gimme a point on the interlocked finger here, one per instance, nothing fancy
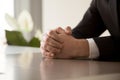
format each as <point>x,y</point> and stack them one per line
<point>50,41</point>
<point>46,54</point>
<point>53,34</point>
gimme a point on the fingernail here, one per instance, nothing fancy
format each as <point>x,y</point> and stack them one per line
<point>51,55</point>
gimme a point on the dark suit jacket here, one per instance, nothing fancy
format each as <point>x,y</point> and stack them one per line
<point>102,15</point>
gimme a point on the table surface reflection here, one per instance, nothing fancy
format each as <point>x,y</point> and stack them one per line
<point>30,66</point>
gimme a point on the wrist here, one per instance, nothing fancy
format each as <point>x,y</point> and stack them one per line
<point>82,48</point>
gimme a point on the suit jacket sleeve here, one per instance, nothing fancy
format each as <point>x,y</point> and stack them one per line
<point>92,26</point>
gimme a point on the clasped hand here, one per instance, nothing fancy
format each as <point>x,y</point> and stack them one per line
<point>60,43</point>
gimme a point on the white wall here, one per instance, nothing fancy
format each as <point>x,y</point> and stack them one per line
<point>62,13</point>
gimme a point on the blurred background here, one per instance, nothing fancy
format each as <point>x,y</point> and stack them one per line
<point>46,14</point>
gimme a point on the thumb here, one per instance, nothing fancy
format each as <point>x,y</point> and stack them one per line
<point>68,30</point>
<point>60,30</point>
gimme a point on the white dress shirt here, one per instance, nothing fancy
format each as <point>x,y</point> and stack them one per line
<point>94,51</point>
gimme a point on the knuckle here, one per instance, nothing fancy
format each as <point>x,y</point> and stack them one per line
<point>45,46</point>
<point>47,39</point>
<point>50,32</point>
<point>52,42</point>
<point>49,48</point>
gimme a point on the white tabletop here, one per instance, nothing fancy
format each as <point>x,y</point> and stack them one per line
<point>21,49</point>
<point>7,50</point>
<point>26,63</point>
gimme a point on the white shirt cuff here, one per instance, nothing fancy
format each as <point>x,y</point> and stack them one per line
<point>94,51</point>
